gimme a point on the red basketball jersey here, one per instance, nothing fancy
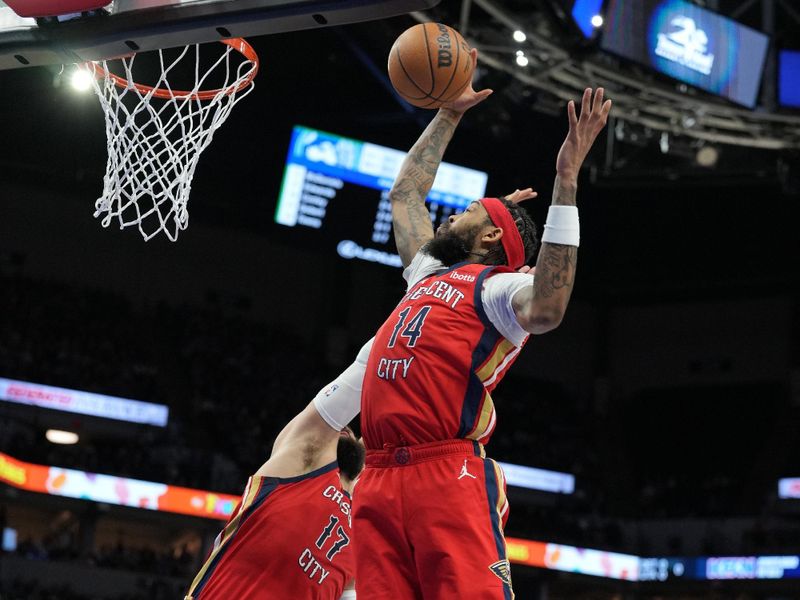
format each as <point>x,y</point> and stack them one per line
<point>288,538</point>
<point>434,363</point>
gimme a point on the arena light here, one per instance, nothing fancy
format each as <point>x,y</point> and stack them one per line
<point>584,13</point>
<point>597,21</point>
<point>58,436</point>
<point>80,80</point>
<point>522,60</point>
<point>9,539</point>
<point>519,36</point>
<point>707,156</point>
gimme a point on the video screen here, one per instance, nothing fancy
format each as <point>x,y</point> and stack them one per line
<point>789,78</point>
<point>689,43</point>
<point>339,188</point>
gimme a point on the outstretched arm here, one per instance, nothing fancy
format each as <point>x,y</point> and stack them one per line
<point>309,441</point>
<point>410,216</point>
<point>304,445</point>
<point>541,306</point>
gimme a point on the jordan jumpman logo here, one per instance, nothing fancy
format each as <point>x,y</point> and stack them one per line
<point>464,472</point>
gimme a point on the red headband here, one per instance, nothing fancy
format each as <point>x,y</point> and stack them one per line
<point>511,240</point>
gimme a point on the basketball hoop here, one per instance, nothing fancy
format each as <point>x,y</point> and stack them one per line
<point>155,134</point>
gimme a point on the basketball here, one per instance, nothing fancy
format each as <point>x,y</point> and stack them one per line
<point>430,64</point>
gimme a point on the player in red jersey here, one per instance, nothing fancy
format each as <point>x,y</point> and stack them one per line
<point>430,508</point>
<point>290,535</point>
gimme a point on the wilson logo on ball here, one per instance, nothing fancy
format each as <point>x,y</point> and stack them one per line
<point>445,57</point>
<point>430,65</point>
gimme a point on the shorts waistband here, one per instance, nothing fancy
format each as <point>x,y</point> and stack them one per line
<point>401,456</point>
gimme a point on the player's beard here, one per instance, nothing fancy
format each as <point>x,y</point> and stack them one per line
<point>350,455</point>
<point>450,247</point>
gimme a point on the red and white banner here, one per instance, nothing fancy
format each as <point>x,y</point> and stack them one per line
<point>85,403</point>
<point>110,489</point>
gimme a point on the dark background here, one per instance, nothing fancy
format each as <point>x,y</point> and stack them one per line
<point>670,390</point>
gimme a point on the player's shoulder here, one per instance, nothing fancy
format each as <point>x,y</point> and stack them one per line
<point>421,266</point>
<point>505,283</point>
<point>329,472</point>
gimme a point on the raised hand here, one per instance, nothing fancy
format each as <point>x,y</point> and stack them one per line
<point>469,97</point>
<point>583,131</point>
<point>518,196</point>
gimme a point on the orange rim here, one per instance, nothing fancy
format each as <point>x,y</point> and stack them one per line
<point>239,44</point>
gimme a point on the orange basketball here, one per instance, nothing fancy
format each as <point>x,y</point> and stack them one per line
<point>429,64</point>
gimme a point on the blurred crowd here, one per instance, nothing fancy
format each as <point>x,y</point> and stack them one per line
<point>29,589</point>
<point>118,556</point>
<point>227,381</point>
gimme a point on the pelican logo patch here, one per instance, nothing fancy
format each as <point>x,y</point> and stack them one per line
<point>503,571</point>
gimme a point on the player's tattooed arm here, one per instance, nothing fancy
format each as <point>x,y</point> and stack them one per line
<point>541,306</point>
<point>411,218</point>
<point>556,264</point>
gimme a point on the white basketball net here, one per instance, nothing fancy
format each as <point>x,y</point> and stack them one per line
<point>154,144</point>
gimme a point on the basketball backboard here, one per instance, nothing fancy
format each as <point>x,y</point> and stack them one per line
<point>123,26</point>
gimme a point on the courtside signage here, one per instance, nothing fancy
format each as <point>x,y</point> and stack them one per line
<point>120,491</point>
<point>85,403</point>
<point>628,567</point>
<point>571,559</point>
<point>789,487</point>
<point>752,567</point>
<point>538,479</point>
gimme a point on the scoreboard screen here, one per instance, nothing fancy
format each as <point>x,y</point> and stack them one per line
<point>690,44</point>
<point>338,189</point>
<point>789,78</point>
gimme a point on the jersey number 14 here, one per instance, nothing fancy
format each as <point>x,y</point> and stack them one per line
<point>413,329</point>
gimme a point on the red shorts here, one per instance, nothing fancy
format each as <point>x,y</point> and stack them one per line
<point>428,524</point>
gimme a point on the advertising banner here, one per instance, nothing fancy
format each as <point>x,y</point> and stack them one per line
<point>120,491</point>
<point>84,403</point>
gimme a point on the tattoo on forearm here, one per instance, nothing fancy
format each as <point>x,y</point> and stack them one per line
<point>555,267</point>
<point>412,222</point>
<point>555,270</point>
<point>564,192</point>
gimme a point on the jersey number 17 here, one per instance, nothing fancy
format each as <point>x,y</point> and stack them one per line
<point>341,538</point>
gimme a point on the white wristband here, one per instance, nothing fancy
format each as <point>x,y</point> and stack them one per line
<point>562,226</point>
<point>340,401</point>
